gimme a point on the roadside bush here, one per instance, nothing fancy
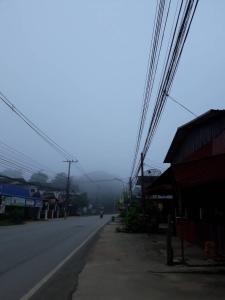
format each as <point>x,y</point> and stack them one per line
<point>122,214</point>
<point>134,219</point>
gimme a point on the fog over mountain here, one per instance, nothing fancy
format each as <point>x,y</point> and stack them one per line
<point>100,186</point>
<point>102,189</point>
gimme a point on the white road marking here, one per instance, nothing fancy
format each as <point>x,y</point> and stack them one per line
<point>51,273</point>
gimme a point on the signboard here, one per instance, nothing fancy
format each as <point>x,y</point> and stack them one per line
<point>13,191</point>
<point>161,197</point>
<point>30,202</point>
<point>13,195</point>
<point>38,203</point>
<point>22,202</point>
<point>14,201</point>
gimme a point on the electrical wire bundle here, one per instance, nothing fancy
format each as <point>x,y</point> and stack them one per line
<point>12,158</point>
<point>181,29</point>
<point>4,161</point>
<point>35,128</point>
<point>160,21</point>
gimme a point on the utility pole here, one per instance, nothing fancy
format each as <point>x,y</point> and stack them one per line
<point>68,181</point>
<point>142,182</point>
<point>130,189</point>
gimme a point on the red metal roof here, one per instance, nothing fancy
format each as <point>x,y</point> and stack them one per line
<point>193,173</point>
<point>199,172</point>
<point>183,131</point>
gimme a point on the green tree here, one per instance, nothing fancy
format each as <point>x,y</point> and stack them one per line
<point>80,200</point>
<point>39,177</point>
<point>59,181</point>
<point>12,173</point>
<point>73,184</point>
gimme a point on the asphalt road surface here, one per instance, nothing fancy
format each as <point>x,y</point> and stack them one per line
<point>29,252</point>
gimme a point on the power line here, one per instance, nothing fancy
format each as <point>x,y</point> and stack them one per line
<point>13,153</point>
<point>141,129</point>
<point>80,167</point>
<point>35,128</point>
<point>16,163</point>
<point>41,133</point>
<point>182,105</point>
<point>10,164</point>
<point>160,21</point>
<point>171,67</point>
<point>184,19</point>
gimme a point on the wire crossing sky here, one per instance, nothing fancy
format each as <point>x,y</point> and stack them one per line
<point>77,69</point>
<point>180,30</point>
<point>34,127</point>
<point>40,133</point>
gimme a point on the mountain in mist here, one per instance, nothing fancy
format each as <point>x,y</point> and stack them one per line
<point>102,188</point>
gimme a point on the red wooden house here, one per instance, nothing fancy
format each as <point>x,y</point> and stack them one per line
<point>196,178</point>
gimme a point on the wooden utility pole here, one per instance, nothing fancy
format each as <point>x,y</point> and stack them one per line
<point>68,180</point>
<point>142,182</point>
<point>130,189</point>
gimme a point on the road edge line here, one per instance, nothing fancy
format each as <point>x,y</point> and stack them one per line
<point>34,289</point>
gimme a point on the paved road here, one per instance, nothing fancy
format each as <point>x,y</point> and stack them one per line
<point>28,252</point>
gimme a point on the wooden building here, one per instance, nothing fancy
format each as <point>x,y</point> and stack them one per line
<point>196,179</point>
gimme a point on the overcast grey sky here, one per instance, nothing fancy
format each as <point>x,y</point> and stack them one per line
<point>77,69</point>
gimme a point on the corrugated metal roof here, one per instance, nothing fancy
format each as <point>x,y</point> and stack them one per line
<point>194,173</point>
<point>200,172</point>
<point>184,130</point>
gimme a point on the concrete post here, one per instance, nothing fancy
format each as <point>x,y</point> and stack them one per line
<point>169,249</point>
<point>39,213</point>
<point>46,214</point>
